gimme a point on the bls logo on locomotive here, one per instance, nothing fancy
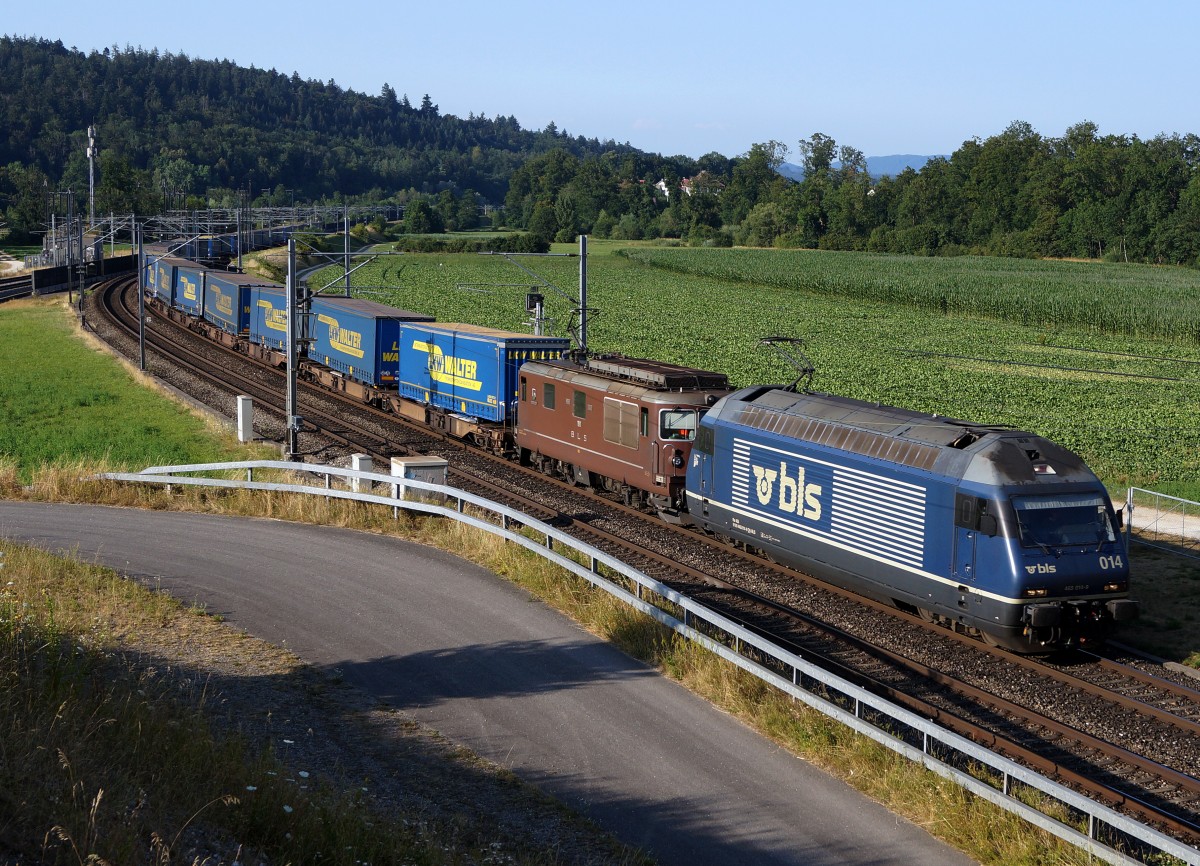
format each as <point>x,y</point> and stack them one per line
<point>795,497</point>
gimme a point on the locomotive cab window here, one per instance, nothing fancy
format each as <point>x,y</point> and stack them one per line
<point>1066,519</point>
<point>678,424</point>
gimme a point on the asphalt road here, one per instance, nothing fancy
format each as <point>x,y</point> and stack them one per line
<point>476,658</point>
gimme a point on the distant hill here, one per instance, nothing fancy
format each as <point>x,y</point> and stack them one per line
<point>877,166</point>
<point>202,125</point>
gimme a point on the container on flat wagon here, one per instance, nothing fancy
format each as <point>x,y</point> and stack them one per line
<point>210,248</point>
<point>468,369</point>
<point>162,272</point>
<point>188,288</point>
<point>227,300</point>
<point>360,338</point>
<point>268,316</point>
<point>150,275</point>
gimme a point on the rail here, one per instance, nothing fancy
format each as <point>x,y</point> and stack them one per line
<point>1162,521</point>
<point>16,287</point>
<point>1099,830</point>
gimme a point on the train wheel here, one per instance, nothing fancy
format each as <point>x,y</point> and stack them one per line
<point>926,615</point>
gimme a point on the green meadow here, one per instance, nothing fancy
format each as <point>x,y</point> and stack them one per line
<point>63,401</point>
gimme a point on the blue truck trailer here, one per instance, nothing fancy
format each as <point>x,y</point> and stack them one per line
<point>469,369</point>
<point>228,300</point>
<point>359,338</point>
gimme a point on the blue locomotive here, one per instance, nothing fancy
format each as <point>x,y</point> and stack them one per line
<point>993,531</point>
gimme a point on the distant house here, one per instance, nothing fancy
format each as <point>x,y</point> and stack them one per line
<point>685,184</point>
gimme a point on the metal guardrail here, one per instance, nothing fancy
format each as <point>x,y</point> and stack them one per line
<point>1169,523</point>
<point>1099,830</point>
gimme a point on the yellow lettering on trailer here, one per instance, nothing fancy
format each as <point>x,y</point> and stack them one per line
<point>342,339</point>
<point>449,370</point>
<point>274,319</point>
<point>224,302</point>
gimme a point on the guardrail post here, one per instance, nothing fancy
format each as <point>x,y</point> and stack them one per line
<point>1128,516</point>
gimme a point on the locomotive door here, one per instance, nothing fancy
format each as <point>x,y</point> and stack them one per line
<point>964,554</point>
<point>966,532</point>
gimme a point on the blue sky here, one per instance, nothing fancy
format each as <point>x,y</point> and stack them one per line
<point>916,77</point>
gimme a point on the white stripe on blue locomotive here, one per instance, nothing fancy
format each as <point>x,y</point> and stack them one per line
<point>862,511</point>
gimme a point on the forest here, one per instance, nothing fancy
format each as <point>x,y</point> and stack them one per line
<point>174,132</point>
<point>1084,195</point>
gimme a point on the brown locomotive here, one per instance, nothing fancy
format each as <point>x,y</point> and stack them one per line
<point>625,425</point>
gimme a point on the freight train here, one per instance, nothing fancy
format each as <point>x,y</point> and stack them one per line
<point>991,531</point>
<point>216,249</point>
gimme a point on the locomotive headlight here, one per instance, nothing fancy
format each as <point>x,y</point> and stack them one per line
<point>1040,592</point>
<point>677,460</point>
<point>1115,586</point>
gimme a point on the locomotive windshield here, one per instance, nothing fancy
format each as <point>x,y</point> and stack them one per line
<point>678,424</point>
<point>1074,518</point>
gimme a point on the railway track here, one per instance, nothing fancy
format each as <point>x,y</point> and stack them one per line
<point>1124,736</point>
<point>16,287</point>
